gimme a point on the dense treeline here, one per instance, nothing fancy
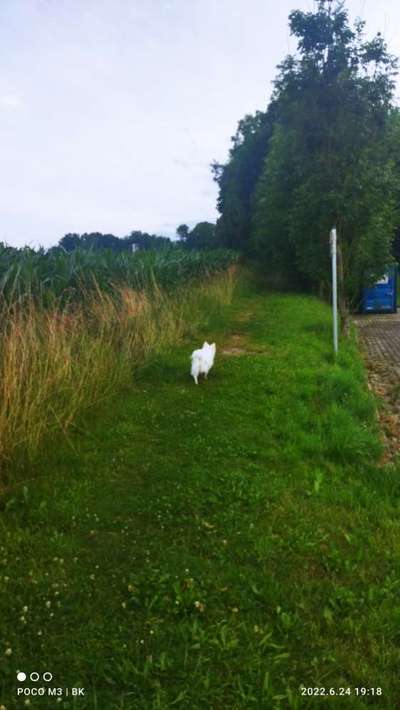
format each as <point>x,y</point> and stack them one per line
<point>323,153</point>
<point>97,240</point>
<point>202,236</point>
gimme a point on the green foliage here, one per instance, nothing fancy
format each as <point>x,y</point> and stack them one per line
<point>183,231</point>
<point>57,274</point>
<point>237,179</point>
<point>394,123</point>
<point>333,165</point>
<point>97,240</point>
<point>202,236</point>
<point>328,157</point>
<point>142,240</point>
<point>271,217</point>
<point>70,242</point>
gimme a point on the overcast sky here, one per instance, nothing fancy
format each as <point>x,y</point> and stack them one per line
<point>112,110</point>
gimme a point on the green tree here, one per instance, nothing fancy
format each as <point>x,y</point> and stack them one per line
<point>202,236</point>
<point>183,232</point>
<point>331,159</point>
<point>146,242</point>
<point>395,143</point>
<point>70,242</point>
<point>97,240</point>
<point>237,178</point>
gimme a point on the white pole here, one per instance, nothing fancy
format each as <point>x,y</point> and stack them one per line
<point>334,289</point>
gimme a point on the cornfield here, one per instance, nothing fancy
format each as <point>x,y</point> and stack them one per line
<point>74,328</point>
<point>54,276</point>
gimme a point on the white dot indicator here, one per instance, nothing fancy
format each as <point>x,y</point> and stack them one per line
<point>21,676</point>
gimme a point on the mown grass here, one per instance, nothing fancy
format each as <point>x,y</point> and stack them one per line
<point>218,546</point>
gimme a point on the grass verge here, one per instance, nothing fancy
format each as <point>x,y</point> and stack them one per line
<point>216,546</point>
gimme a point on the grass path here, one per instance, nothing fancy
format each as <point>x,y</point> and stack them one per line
<point>213,546</point>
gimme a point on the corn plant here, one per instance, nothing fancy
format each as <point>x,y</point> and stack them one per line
<point>49,277</point>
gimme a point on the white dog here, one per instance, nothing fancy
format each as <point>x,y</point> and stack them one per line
<point>202,361</point>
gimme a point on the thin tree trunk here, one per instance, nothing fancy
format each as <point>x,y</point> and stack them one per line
<point>342,303</point>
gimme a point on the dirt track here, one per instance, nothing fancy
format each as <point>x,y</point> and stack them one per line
<point>379,337</point>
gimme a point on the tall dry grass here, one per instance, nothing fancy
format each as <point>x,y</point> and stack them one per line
<point>55,364</point>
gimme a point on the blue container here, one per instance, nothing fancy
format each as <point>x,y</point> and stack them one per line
<point>382,296</point>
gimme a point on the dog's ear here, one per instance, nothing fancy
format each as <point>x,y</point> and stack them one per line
<point>205,344</point>
<point>213,346</point>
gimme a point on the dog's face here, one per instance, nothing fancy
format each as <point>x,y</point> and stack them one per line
<point>211,348</point>
<point>210,354</point>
